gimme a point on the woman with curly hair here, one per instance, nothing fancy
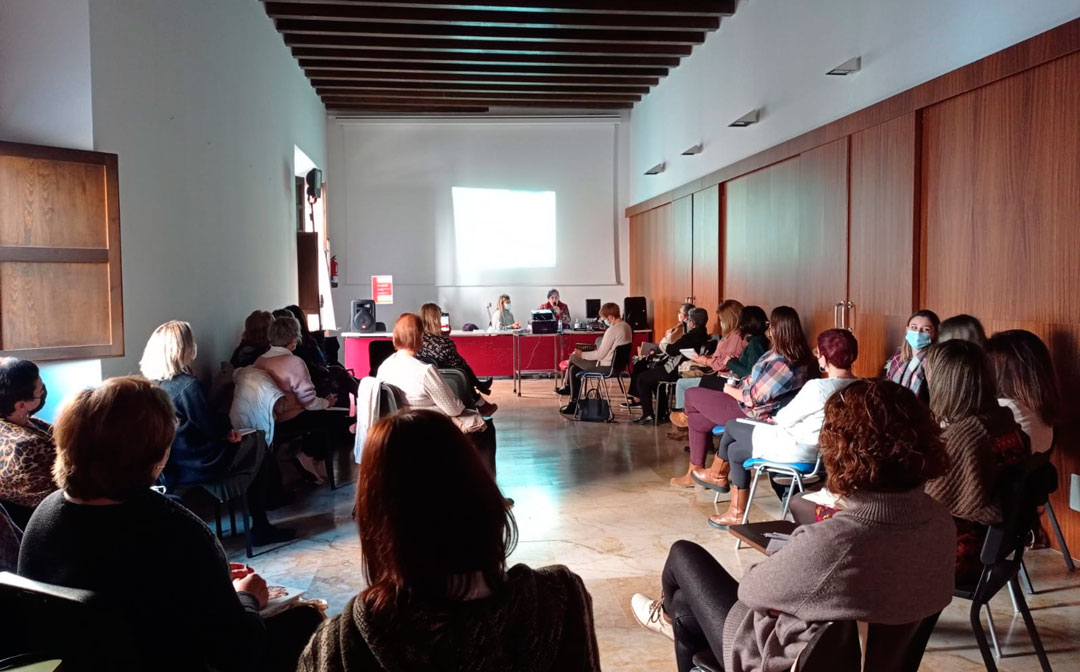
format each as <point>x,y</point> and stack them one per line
<point>887,558</point>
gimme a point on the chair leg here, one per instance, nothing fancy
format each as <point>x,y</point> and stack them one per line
<point>1033,633</point>
<point>1060,539</point>
<point>993,632</point>
<point>1012,598</point>
<point>601,385</point>
<point>329,463</point>
<point>795,480</point>
<point>749,501</point>
<point>980,637</point>
<point>244,511</point>
<point>1025,579</point>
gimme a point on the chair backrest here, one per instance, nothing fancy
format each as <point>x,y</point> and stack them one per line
<point>620,361</point>
<point>1023,487</point>
<point>76,626</point>
<point>391,400</point>
<point>459,383</point>
<point>836,647</point>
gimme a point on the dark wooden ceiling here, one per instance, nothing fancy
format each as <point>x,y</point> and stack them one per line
<point>546,56</point>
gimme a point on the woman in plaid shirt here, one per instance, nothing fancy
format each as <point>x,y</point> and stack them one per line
<point>775,379</point>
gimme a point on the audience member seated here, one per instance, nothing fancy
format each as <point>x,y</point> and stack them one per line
<point>776,377</point>
<point>253,342</point>
<point>1026,384</point>
<point>665,366</point>
<point>731,346</point>
<point>646,359</point>
<point>906,366</point>
<point>980,439</point>
<point>618,333</point>
<point>502,319</point>
<point>439,596</point>
<point>886,559</point>
<point>558,308</point>
<point>793,437</point>
<point>205,448</point>
<point>441,351</point>
<point>964,328</point>
<point>424,388</point>
<point>27,450</point>
<point>327,378</point>
<point>108,532</point>
<point>301,414</point>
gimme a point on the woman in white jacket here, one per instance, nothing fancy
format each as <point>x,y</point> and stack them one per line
<point>793,435</point>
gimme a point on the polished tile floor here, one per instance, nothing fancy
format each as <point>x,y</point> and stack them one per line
<point>595,497</point>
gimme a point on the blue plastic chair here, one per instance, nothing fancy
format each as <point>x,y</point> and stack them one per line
<point>718,430</point>
<point>798,474</point>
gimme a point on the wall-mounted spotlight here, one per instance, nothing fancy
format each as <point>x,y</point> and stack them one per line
<point>750,117</point>
<point>696,149</point>
<point>847,67</point>
<point>657,169</point>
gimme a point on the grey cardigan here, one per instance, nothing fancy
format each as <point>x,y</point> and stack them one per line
<point>888,559</point>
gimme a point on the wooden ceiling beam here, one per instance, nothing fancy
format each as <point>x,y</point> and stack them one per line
<point>493,33</point>
<point>480,78</point>
<point>687,7</point>
<point>405,58</point>
<point>411,109</point>
<point>485,46</point>
<point>486,17</point>
<point>528,70</point>
<point>339,94</point>
<point>540,87</point>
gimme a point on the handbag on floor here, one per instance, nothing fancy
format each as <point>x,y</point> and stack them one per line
<point>593,408</point>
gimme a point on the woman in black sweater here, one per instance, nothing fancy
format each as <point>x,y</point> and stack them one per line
<point>106,531</point>
<point>206,447</point>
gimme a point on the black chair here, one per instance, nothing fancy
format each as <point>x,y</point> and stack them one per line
<point>43,622</point>
<point>233,487</point>
<point>1025,487</point>
<point>378,352</point>
<point>620,362</point>
<point>837,647</point>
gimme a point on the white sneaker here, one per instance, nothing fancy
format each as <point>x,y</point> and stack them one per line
<point>317,468</point>
<point>650,614</point>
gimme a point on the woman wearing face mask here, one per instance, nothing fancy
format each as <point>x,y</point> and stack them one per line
<point>28,451</point>
<point>906,366</point>
<point>502,318</point>
<point>618,333</point>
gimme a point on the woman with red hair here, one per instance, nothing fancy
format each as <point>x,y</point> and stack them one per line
<point>794,435</point>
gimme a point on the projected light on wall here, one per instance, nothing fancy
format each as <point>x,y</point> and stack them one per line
<point>504,228</point>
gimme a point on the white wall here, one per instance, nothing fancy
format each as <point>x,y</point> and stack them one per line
<point>773,54</point>
<point>203,103</point>
<point>45,100</point>
<point>391,212</point>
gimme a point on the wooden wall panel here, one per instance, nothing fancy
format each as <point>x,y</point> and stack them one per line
<point>883,230</point>
<point>1001,183</point>
<point>821,269</point>
<point>706,251</point>
<point>69,303</point>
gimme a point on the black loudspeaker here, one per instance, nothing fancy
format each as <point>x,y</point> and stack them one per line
<point>314,184</point>
<point>363,316</point>
<point>635,313</point>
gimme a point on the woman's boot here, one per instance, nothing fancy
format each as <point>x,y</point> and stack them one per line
<point>715,477</point>
<point>736,509</point>
<point>685,481</point>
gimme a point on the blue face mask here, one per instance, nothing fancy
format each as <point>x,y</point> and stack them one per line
<point>606,322</point>
<point>917,339</point>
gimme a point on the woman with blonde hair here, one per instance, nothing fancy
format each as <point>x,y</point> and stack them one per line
<point>253,342</point>
<point>206,447</point>
<point>440,350</point>
<point>731,346</point>
<point>502,318</point>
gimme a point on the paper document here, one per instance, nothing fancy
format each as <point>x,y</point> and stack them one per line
<point>687,352</point>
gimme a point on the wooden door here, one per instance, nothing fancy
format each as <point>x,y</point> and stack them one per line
<point>822,258</point>
<point>1001,242</point>
<point>883,239</point>
<point>705,283</point>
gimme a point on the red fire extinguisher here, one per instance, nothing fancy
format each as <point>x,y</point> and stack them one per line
<point>333,271</point>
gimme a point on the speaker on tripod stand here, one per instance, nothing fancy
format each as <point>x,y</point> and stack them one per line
<point>363,316</point>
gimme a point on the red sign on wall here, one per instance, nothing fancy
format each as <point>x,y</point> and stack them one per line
<point>382,288</point>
